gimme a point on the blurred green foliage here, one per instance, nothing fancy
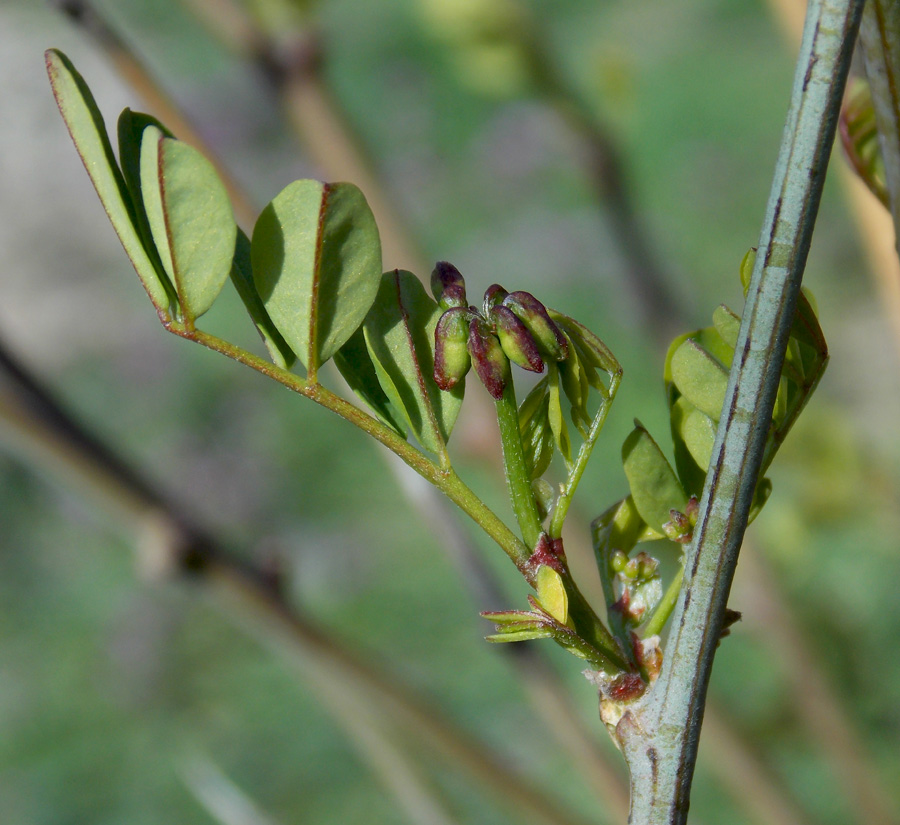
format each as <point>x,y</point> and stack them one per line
<point>109,684</point>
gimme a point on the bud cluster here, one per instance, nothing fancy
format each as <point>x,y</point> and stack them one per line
<point>681,526</point>
<point>639,584</point>
<point>510,326</point>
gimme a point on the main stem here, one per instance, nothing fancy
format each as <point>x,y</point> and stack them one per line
<point>660,732</point>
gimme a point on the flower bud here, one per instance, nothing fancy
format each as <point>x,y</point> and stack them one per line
<point>493,296</point>
<point>679,528</point>
<point>531,312</point>
<point>448,286</point>
<point>647,565</point>
<point>516,340</point>
<point>692,510</point>
<point>451,354</point>
<point>632,569</point>
<point>618,561</point>
<point>488,357</point>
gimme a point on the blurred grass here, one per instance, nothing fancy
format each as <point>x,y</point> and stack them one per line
<point>107,683</point>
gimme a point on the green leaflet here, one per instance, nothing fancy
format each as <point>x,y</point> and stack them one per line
<point>190,219</point>
<point>699,377</point>
<point>520,635</point>
<point>317,266</point>
<point>555,414</point>
<point>746,270</point>
<point>88,132</point>
<point>696,429</point>
<point>654,487</point>
<point>728,325</point>
<point>242,278</point>
<point>551,593</point>
<point>576,386</point>
<point>399,334</point>
<point>691,476</point>
<point>130,130</point>
<point>534,428</point>
<point>355,364</point>
<point>805,330</point>
<point>593,350</point>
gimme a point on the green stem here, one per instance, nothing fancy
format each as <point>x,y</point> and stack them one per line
<point>581,460</point>
<point>445,479</point>
<point>659,733</point>
<point>518,479</point>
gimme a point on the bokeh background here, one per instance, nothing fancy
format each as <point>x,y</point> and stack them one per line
<point>126,696</point>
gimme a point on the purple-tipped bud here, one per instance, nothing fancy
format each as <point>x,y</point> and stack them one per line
<point>448,286</point>
<point>516,340</point>
<point>647,566</point>
<point>488,357</point>
<point>692,511</point>
<point>679,528</point>
<point>451,354</point>
<point>493,296</point>
<point>531,312</point>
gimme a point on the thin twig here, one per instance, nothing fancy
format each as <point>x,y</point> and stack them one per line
<point>221,798</point>
<point>873,223</point>
<point>660,735</point>
<point>817,703</point>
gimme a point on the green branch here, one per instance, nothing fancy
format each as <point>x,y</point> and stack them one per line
<point>659,734</point>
